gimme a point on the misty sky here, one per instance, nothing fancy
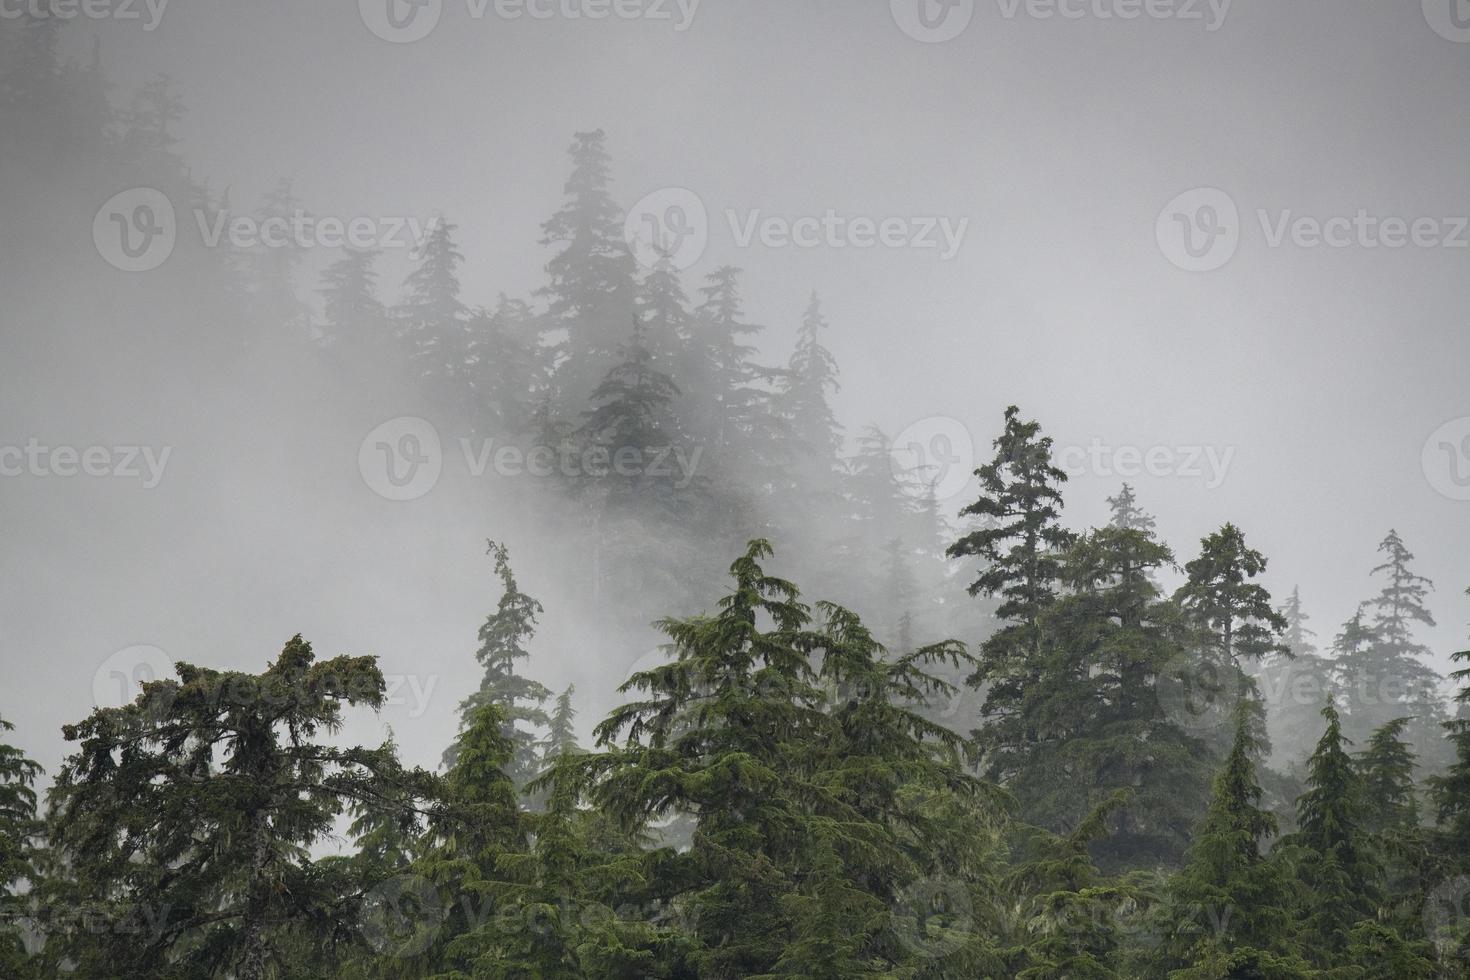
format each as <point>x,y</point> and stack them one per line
<point>1320,371</point>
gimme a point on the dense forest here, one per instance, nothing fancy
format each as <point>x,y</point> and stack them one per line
<point>884,736</point>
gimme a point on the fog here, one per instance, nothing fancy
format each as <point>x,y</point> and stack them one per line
<point>1296,388</point>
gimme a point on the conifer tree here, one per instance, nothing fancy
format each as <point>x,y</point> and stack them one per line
<point>433,323</point>
<point>1295,684</point>
<point>662,308</point>
<point>1232,903</point>
<point>355,330</point>
<point>19,872</point>
<point>271,267</point>
<point>509,370</point>
<point>1393,679</point>
<point>793,748</point>
<point>1019,543</point>
<point>1450,792</point>
<point>1067,907</point>
<point>190,815</point>
<point>632,412</point>
<point>1387,770</point>
<point>1235,620</point>
<point>503,639</point>
<point>1127,515</point>
<point>561,736</point>
<point>638,514</point>
<point>1221,597</point>
<point>810,377</point>
<point>1337,866</point>
<point>447,924</point>
<point>591,292</point>
<point>1094,721</point>
<point>732,412</point>
<point>714,736</point>
<point>878,511</point>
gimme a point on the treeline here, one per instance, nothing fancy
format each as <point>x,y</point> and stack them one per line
<point>771,801</point>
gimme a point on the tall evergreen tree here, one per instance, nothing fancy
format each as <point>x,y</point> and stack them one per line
<point>1019,543</point>
<point>803,804</point>
<point>355,331</point>
<point>1235,619</point>
<point>810,377</point>
<point>190,816</point>
<point>1337,865</point>
<point>1232,902</point>
<point>1393,680</point>
<point>1451,792</point>
<point>270,269</point>
<point>1221,597</point>
<point>1090,723</point>
<point>590,291</point>
<point>510,370</point>
<point>19,831</point>
<point>433,323</point>
<point>642,489</point>
<point>503,639</point>
<point>1295,684</point>
<point>561,736</point>
<point>720,368</point>
<point>1387,770</point>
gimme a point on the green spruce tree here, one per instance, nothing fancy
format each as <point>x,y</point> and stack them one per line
<point>503,643</point>
<point>186,820</point>
<point>19,859</point>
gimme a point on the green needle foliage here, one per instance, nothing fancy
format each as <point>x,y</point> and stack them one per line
<point>185,821</point>
<point>19,860</point>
